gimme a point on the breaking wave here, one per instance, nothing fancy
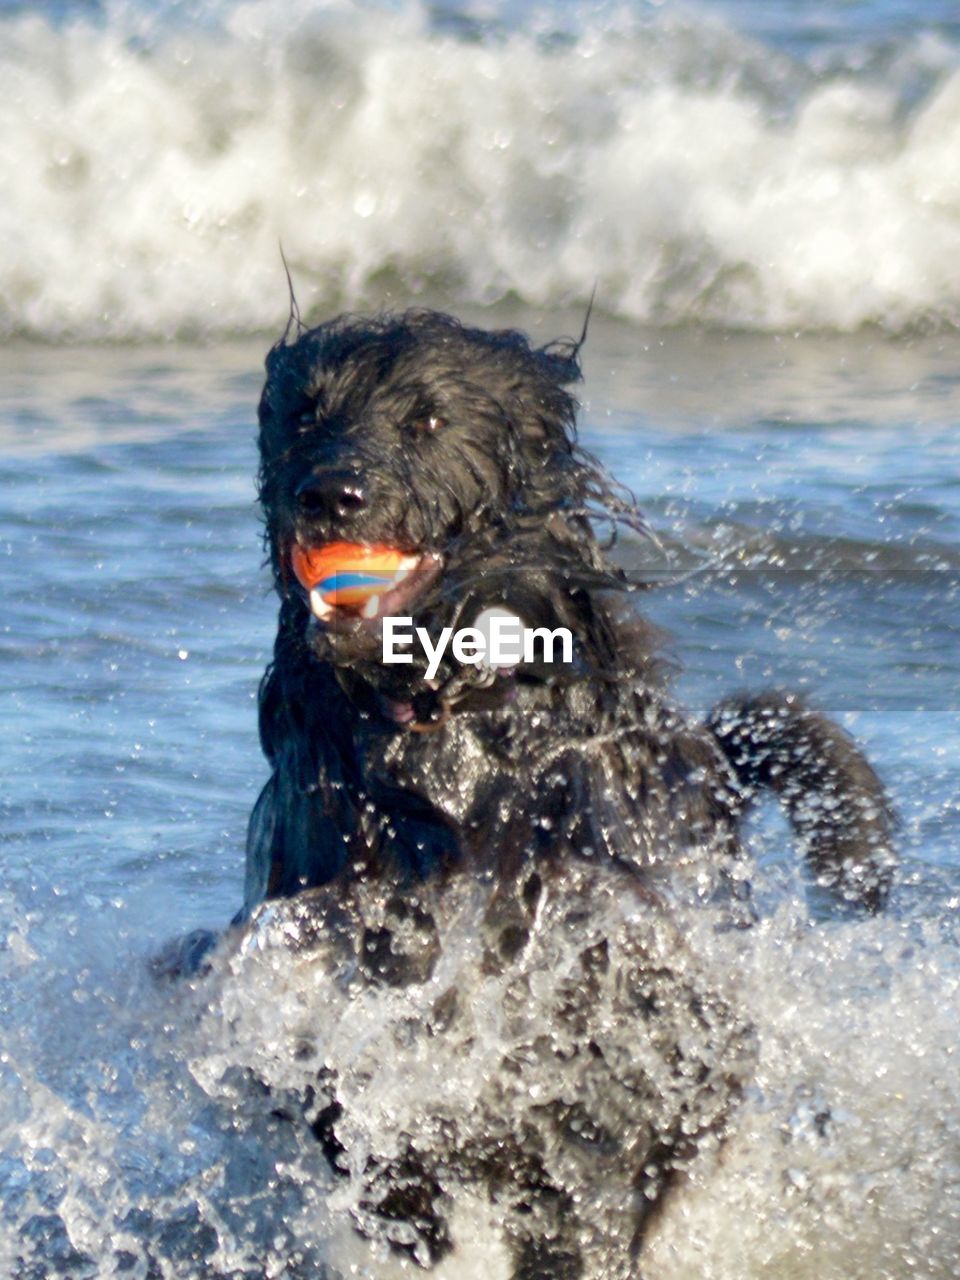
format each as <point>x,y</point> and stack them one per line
<point>153,162</point>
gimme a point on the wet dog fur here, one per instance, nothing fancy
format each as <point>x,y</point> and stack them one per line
<point>457,446</point>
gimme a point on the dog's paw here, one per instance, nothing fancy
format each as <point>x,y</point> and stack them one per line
<point>185,957</point>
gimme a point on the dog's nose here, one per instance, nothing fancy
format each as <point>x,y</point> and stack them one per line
<point>336,495</point>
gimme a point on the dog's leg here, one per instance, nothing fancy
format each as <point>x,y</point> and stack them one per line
<point>185,957</point>
<point>537,1259</point>
<point>405,1206</point>
<point>835,801</point>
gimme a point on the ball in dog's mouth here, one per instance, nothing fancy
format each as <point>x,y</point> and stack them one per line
<point>362,580</point>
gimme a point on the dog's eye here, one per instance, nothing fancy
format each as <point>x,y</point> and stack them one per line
<point>427,422</point>
<point>307,419</point>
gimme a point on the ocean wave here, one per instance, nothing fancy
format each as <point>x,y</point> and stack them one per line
<point>152,165</point>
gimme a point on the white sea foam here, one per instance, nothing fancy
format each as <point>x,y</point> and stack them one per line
<point>842,1164</point>
<point>151,167</point>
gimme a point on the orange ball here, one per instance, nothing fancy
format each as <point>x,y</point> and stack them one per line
<point>348,573</point>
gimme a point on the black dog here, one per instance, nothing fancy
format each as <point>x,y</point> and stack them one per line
<point>456,447</point>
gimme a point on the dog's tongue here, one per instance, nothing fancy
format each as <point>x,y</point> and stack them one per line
<point>349,574</point>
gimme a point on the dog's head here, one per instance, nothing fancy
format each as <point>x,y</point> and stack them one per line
<point>451,448</point>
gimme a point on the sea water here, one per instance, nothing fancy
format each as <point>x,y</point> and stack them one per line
<point>718,163</point>
<point>767,204</point>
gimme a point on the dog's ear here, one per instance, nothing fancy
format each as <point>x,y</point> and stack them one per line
<point>287,392</point>
<point>545,408</point>
<point>561,362</point>
<point>563,355</point>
